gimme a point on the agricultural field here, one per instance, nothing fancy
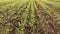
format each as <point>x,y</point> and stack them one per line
<point>29,16</point>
